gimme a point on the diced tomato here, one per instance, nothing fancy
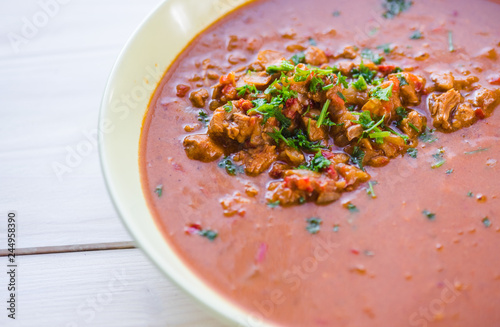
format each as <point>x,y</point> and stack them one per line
<point>386,69</point>
<point>227,79</point>
<point>327,154</point>
<point>229,91</point>
<point>480,113</point>
<point>243,104</point>
<point>332,173</point>
<point>193,229</point>
<point>495,80</point>
<point>182,90</point>
<point>354,251</point>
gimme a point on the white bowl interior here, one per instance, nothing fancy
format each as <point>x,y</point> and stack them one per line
<point>139,68</point>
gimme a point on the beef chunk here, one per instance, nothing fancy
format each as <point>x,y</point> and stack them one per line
<point>202,147</point>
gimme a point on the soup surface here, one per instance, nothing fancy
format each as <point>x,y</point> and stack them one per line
<point>413,240</point>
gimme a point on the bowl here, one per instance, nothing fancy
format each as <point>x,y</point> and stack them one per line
<point>139,68</point>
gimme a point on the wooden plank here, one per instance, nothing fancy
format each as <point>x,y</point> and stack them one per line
<point>105,288</point>
<point>51,91</point>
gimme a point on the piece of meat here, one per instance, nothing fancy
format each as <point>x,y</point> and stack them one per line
<point>442,106</point>
<point>443,81</point>
<point>349,52</point>
<point>314,133</point>
<point>414,124</point>
<point>257,160</point>
<point>465,83</point>
<point>235,125</point>
<point>315,56</point>
<point>345,67</point>
<point>354,132</point>
<point>201,147</point>
<point>198,98</point>
<point>411,90</point>
<point>292,156</point>
<point>464,116</point>
<point>487,100</point>
<point>259,79</point>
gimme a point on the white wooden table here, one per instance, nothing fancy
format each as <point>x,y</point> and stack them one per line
<point>77,265</point>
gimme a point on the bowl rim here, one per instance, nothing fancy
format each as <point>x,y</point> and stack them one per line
<point>229,312</point>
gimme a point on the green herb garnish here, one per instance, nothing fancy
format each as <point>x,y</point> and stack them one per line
<point>324,113</point>
<point>357,157</point>
<point>273,204</point>
<point>285,66</point>
<point>373,57</point>
<point>228,107</point>
<point>412,152</point>
<point>451,48</point>
<point>313,225</point>
<point>246,88</point>
<point>429,215</point>
<point>439,157</point>
<point>487,222</point>
<point>203,118</point>
<point>230,167</point>
<point>211,235</point>
<point>416,35</point>
<point>427,136</point>
<point>351,207</point>
<point>370,191</point>
<point>298,58</point>
<point>476,151</point>
<point>360,84</point>
<point>318,163</point>
<point>382,94</point>
<point>395,7</point>
<point>159,190</point>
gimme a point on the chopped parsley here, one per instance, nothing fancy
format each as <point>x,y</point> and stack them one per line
<point>299,140</point>
<point>449,172</point>
<point>324,113</point>
<point>272,109</point>
<point>246,88</point>
<point>318,163</point>
<point>416,35</point>
<point>298,58</point>
<point>451,48</point>
<point>336,13</point>
<point>159,190</point>
<point>211,235</point>
<point>336,228</point>
<point>341,96</point>
<point>230,167</point>
<point>285,66</point>
<point>470,194</point>
<point>228,107</point>
<point>360,84</point>
<point>316,84</point>
<point>395,7</point>
<point>402,80</point>
<point>382,94</point>
<point>352,208</point>
<point>412,152</point>
<point>273,204</point>
<point>342,80</point>
<point>429,215</point>
<point>313,225</point>
<point>386,48</point>
<point>428,136</point>
<point>357,157</point>
<point>476,151</point>
<point>373,57</point>
<point>439,159</point>
<point>312,42</point>
<point>203,118</point>
<point>486,222</point>
<point>370,191</point>
<point>364,71</point>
